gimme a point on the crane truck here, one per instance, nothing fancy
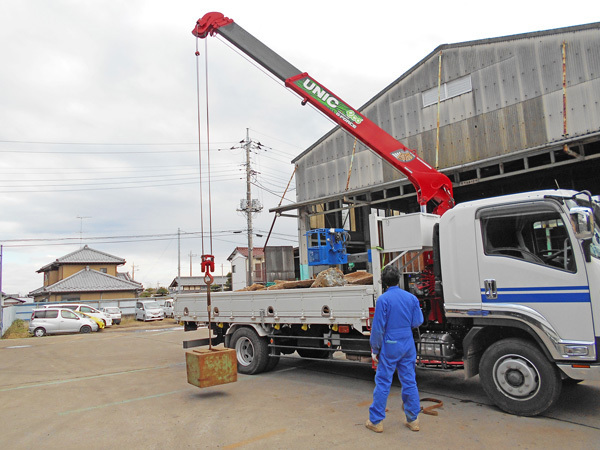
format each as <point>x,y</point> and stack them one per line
<point>510,289</point>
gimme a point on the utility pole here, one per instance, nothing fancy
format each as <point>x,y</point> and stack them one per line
<point>178,252</point>
<point>249,207</point>
<point>191,255</point>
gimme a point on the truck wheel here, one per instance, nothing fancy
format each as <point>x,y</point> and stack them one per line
<point>273,360</point>
<point>518,378</point>
<point>252,351</point>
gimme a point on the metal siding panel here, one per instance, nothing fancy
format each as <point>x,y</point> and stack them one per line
<point>583,110</point>
<point>515,104</point>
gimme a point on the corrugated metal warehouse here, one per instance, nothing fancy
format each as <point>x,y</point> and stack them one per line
<point>497,116</point>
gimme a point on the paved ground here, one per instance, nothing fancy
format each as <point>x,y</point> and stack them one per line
<point>128,389</point>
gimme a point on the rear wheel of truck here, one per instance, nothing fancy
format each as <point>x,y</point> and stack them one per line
<point>252,351</point>
<point>273,360</point>
<point>518,377</point>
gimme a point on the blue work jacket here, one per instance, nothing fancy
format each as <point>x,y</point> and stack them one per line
<point>397,312</point>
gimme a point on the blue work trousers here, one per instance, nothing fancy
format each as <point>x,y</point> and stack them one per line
<point>397,355</point>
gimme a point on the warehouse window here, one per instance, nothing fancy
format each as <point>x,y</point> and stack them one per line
<point>448,90</point>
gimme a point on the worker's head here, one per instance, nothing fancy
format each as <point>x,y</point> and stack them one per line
<point>390,277</point>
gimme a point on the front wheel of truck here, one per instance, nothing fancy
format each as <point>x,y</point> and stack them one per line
<point>251,350</point>
<point>518,378</point>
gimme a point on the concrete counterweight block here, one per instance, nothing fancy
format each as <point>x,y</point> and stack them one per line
<point>207,368</point>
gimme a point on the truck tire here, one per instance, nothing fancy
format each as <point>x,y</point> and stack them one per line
<point>273,360</point>
<point>251,350</point>
<point>518,377</point>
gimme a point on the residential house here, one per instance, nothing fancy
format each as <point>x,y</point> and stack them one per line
<point>195,284</point>
<point>270,264</point>
<point>239,267</point>
<point>11,300</point>
<point>85,274</point>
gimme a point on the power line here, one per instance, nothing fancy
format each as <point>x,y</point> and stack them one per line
<point>42,242</point>
<point>141,144</point>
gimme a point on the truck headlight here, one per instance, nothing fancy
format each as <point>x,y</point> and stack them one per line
<point>576,350</point>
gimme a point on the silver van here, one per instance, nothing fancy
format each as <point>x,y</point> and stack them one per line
<point>59,320</point>
<point>148,310</point>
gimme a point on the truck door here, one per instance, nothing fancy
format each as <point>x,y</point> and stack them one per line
<point>531,265</point>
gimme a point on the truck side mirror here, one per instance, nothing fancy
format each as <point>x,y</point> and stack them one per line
<point>582,220</point>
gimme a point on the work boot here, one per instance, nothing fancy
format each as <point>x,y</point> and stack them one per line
<point>413,426</point>
<point>377,428</point>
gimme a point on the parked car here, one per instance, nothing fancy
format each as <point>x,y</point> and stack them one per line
<point>82,307</point>
<point>168,308</point>
<point>54,320</point>
<point>148,310</point>
<point>99,321</point>
<point>113,312</point>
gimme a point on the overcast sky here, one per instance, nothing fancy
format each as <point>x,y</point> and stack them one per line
<point>99,127</point>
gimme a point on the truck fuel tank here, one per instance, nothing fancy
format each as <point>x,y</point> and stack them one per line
<point>436,345</point>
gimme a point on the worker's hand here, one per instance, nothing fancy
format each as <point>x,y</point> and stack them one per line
<point>374,357</point>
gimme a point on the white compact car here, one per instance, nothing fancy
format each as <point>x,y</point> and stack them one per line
<point>113,312</point>
<point>148,310</point>
<point>53,320</point>
<point>87,309</point>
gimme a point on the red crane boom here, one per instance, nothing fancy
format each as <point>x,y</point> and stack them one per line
<point>429,184</point>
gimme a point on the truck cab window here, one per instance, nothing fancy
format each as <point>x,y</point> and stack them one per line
<point>539,237</point>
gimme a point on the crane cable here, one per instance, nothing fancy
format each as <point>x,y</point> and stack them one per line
<point>208,260</point>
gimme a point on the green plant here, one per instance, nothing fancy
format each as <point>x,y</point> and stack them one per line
<point>17,330</point>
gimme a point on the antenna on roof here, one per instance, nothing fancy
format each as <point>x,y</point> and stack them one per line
<point>81,228</point>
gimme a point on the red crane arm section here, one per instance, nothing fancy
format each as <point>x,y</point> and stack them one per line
<point>428,182</point>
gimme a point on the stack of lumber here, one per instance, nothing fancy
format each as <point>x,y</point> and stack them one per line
<point>327,278</point>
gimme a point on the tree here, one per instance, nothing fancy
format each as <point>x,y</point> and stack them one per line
<point>228,282</point>
<point>151,292</point>
<point>148,292</point>
<point>161,292</point>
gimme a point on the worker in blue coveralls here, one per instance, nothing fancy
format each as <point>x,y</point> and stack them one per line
<point>397,312</point>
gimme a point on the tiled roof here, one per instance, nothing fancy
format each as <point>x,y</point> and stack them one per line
<point>256,252</point>
<point>125,276</point>
<point>84,255</point>
<point>87,280</point>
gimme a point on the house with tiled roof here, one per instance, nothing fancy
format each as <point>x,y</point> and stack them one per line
<point>195,284</point>
<point>85,274</point>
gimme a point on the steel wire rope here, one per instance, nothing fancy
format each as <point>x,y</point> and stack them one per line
<point>208,144</point>
<point>199,142</point>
